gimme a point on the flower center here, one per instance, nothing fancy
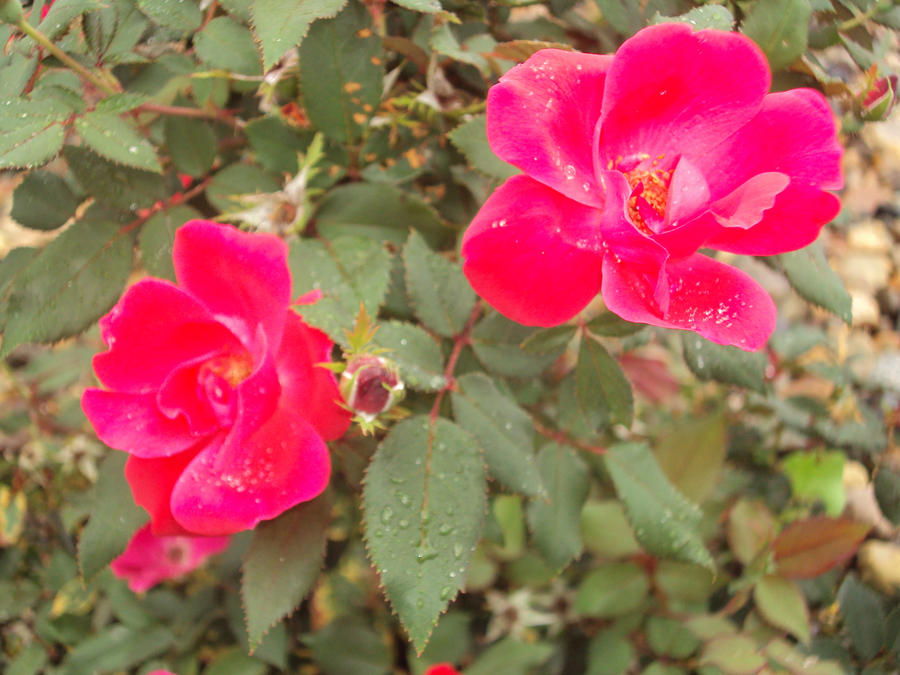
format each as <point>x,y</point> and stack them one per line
<point>233,368</point>
<point>649,194</point>
<point>218,379</point>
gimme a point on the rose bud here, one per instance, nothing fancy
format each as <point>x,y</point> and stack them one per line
<point>371,386</point>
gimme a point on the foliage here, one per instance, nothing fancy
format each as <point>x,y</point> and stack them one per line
<point>596,497</point>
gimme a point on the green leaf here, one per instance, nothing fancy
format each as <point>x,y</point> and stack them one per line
<point>609,654</point>
<point>600,383</point>
<point>670,637</point>
<point>429,6</point>
<point>33,143</point>
<point>43,201</point>
<point>550,340</point>
<point>502,428</point>
<point>114,518</point>
<point>120,103</point>
<point>239,179</point>
<point>665,523</point>
<point>711,16</point>
<point>612,589</point>
<point>441,296</point>
<point>724,363</point>
<point>11,267</point>
<point>112,137</point>
<point>183,16</point>
<point>497,342</point>
<point>863,616</point>
<point>818,476</point>
<point>233,661</point>
<point>471,140</point>
<point>416,354</point>
<point>282,24</point>
<point>612,325</point>
<point>119,186</point>
<point>191,144</point>
<point>811,276</point>
<point>780,28</point>
<point>751,529</point>
<point>733,654</point>
<point>781,603</point>
<point>113,31</point>
<point>378,211</point>
<point>17,70</point>
<point>424,504</point>
<point>225,44</point>
<point>275,143</point>
<point>66,287</point>
<point>692,454</point>
<point>886,482</point>
<point>62,13</point>
<point>282,563</point>
<point>555,522</point>
<point>341,73</point>
<point>349,646</point>
<point>117,648</point>
<point>350,271</point>
<point>158,236</point>
<point>606,531</point>
<point>511,657</point>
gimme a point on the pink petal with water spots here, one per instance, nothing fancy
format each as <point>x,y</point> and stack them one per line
<point>541,117</point>
<point>133,422</point>
<point>673,91</point>
<point>720,302</point>
<point>240,277</point>
<point>794,221</point>
<point>534,254</point>
<point>155,327</point>
<point>152,480</point>
<point>256,475</point>
<point>307,386</point>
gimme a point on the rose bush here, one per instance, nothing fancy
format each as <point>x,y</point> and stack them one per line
<point>212,387</point>
<point>149,559</point>
<point>635,161</point>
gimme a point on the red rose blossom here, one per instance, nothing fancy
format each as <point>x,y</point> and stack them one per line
<point>635,161</point>
<point>442,669</point>
<point>149,559</point>
<point>212,387</point>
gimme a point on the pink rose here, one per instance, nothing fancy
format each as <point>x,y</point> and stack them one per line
<point>442,669</point>
<point>635,161</point>
<point>149,559</point>
<point>212,387</point>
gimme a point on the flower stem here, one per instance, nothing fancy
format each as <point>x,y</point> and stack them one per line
<point>45,42</point>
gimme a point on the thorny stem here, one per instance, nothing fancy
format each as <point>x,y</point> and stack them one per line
<point>459,342</point>
<point>42,40</point>
<point>181,111</point>
<point>564,438</point>
<point>850,24</point>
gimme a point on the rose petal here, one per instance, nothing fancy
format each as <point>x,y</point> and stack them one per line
<point>793,133</point>
<point>672,91</point>
<point>155,327</point>
<point>744,207</point>
<point>720,302</point>
<point>241,277</point>
<point>256,475</point>
<point>133,423</point>
<point>152,481</point>
<point>541,118</point>
<point>149,559</point>
<point>793,222</point>
<point>307,387</point>
<point>533,254</point>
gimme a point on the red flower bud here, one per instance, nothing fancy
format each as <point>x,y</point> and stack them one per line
<point>371,386</point>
